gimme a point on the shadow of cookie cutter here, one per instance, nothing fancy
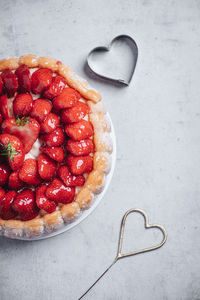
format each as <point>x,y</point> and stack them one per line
<point>134,48</point>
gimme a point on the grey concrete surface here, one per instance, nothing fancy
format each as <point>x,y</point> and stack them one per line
<point>157,121</point>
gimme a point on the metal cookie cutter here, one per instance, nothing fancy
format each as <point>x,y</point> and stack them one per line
<point>124,39</point>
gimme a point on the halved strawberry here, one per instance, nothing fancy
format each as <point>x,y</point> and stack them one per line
<point>41,108</point>
<point>69,179</point>
<point>40,80</point>
<point>59,192</point>
<point>53,139</point>
<point>24,78</point>
<point>6,211</point>
<point>14,182</point>
<point>25,204</point>
<point>22,105</point>
<point>4,174</point>
<point>75,113</point>
<point>55,153</point>
<point>10,82</point>
<point>80,130</point>
<point>46,167</point>
<point>83,147</point>
<point>50,123</point>
<point>57,85</point>
<point>1,85</point>
<point>43,202</point>
<point>66,99</point>
<point>29,172</point>
<point>79,165</point>
<point>6,107</point>
<point>13,149</point>
<point>26,129</point>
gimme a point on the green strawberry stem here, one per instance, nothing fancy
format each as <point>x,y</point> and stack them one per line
<point>22,121</point>
<point>9,151</point>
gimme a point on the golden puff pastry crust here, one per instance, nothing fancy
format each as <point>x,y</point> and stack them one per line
<point>102,160</point>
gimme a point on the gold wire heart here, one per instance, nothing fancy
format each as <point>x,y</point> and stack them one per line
<point>147,226</point>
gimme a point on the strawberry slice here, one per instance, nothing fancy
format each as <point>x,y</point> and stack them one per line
<point>6,107</point>
<point>46,167</point>
<point>14,182</point>
<point>29,172</point>
<point>24,78</point>
<point>25,204</point>
<point>80,130</point>
<point>53,139</point>
<point>83,147</point>
<point>22,105</point>
<point>26,129</point>
<point>1,85</point>
<point>41,108</point>
<point>4,174</point>
<point>75,113</point>
<point>41,79</point>
<point>59,192</point>
<point>6,211</point>
<point>68,178</point>
<point>43,202</point>
<point>55,88</point>
<point>79,165</point>
<point>66,99</point>
<point>55,153</point>
<point>50,123</point>
<point>10,82</point>
<point>13,148</point>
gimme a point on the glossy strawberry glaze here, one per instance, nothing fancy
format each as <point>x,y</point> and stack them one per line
<point>46,143</point>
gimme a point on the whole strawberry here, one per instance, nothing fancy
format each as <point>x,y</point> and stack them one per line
<point>26,129</point>
<point>69,179</point>
<point>22,105</point>
<point>12,148</point>
<point>55,153</point>
<point>66,99</point>
<point>53,139</point>
<point>40,80</point>
<point>46,167</point>
<point>10,82</point>
<point>42,201</point>
<point>55,88</point>
<point>6,211</point>
<point>41,108</point>
<point>29,172</point>
<point>79,165</point>
<point>59,192</point>
<point>24,78</point>
<point>83,147</point>
<point>80,130</point>
<point>4,174</point>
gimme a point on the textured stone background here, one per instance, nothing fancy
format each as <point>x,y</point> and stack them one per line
<point>157,121</point>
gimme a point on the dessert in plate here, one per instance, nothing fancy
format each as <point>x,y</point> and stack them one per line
<point>55,146</point>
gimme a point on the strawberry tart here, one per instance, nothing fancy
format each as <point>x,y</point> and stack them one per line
<point>55,146</point>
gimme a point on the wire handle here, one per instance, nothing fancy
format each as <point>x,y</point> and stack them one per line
<point>120,243</point>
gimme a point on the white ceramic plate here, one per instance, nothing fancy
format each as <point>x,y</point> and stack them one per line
<point>85,213</point>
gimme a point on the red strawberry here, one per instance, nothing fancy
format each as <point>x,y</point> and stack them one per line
<point>50,123</point>
<point>58,192</point>
<point>46,167</point>
<point>22,105</point>
<point>41,108</point>
<point>55,88</point>
<point>1,85</point>
<point>26,129</point>
<point>6,211</point>
<point>75,113</point>
<point>10,82</point>
<point>66,99</point>
<point>80,130</point>
<point>55,153</point>
<point>6,107</point>
<point>2,193</point>
<point>83,147</point>
<point>43,202</point>
<point>53,139</point>
<point>24,78</point>
<point>25,204</point>
<point>1,118</point>
<point>29,172</point>
<point>79,164</point>
<point>69,179</point>
<point>14,182</point>
<point>4,174</point>
<point>12,147</point>
<point>41,79</point>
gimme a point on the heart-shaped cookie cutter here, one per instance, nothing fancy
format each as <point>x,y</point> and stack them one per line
<point>121,235</point>
<point>134,48</point>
